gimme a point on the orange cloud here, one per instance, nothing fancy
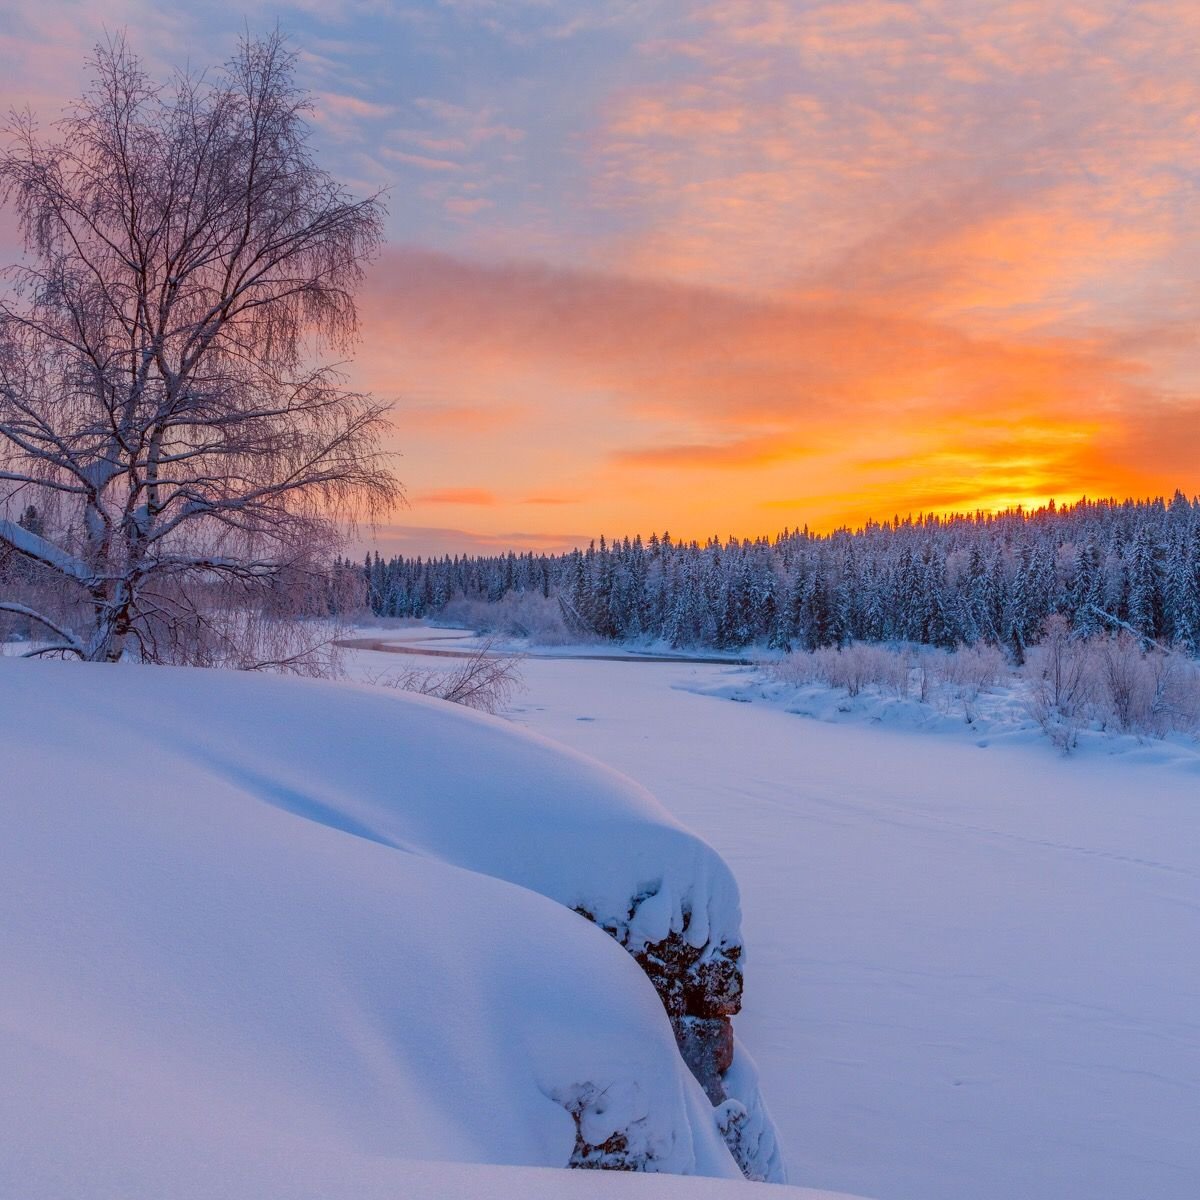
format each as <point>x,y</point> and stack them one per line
<point>470,496</point>
<point>1013,155</point>
<point>741,452</point>
<point>643,384</point>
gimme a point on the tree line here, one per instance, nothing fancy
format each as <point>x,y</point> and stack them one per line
<point>942,581</point>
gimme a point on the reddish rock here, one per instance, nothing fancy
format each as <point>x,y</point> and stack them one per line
<point>700,988</point>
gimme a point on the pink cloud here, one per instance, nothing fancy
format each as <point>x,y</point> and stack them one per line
<point>341,105</point>
<point>419,160</point>
<point>467,206</point>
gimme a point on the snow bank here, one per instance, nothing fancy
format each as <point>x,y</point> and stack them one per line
<point>256,920</point>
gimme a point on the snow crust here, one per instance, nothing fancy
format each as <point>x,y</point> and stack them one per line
<point>255,925</point>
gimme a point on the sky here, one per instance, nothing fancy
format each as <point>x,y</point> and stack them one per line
<point>729,266</point>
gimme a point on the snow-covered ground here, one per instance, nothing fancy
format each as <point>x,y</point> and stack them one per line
<point>266,937</point>
<point>972,969</point>
<point>999,712</point>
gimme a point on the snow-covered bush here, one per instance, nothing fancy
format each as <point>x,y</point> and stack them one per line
<point>856,666</point>
<point>970,670</point>
<point>1180,701</point>
<point>1146,690</point>
<point>1061,676</point>
<point>795,669</point>
<point>852,667</point>
<point>1067,683</point>
<point>1114,681</point>
<point>528,615</point>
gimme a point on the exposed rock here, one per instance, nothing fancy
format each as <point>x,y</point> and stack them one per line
<point>612,1155</point>
<point>703,981</point>
<point>706,1044</point>
<point>746,1126</point>
<point>701,989</point>
<point>609,1129</point>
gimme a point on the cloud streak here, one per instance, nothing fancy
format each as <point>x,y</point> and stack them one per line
<point>458,496</point>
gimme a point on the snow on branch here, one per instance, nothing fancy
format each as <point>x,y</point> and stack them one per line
<point>40,550</point>
<point>70,641</point>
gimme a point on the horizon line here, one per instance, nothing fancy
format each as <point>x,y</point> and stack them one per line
<point>941,515</point>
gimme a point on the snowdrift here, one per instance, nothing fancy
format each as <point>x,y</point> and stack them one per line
<point>256,926</point>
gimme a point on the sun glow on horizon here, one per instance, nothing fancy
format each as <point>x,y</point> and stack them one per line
<point>414,541</point>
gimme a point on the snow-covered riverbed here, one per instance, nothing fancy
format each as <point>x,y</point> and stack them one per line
<point>972,973</point>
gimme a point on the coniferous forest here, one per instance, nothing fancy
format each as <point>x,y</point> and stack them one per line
<point>942,581</point>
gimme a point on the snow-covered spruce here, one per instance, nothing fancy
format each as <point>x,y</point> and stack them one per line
<point>1102,565</point>
<point>290,906</point>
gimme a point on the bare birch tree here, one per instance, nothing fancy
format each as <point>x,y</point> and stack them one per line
<point>163,395</point>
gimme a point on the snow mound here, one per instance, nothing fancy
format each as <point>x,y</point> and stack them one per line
<point>254,920</point>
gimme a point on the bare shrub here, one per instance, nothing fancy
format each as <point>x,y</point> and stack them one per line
<point>1147,690</point>
<point>970,670</point>
<point>795,669</point>
<point>830,669</point>
<point>1068,681</point>
<point>852,667</point>
<point>486,680</point>
<point>865,664</point>
<point>33,604</point>
<point>926,672</point>
<point>900,678</point>
<point>1179,701</point>
<point>960,676</point>
<point>292,625</point>
<point>528,615</point>
<point>1060,671</point>
<point>1128,688</point>
<point>1117,680</point>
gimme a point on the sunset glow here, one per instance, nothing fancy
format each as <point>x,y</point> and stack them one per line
<point>726,267</point>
